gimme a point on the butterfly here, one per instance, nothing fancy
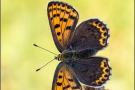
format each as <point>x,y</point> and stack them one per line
<point>77,47</point>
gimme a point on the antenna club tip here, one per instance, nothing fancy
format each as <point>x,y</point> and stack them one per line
<point>37,70</point>
<point>35,45</point>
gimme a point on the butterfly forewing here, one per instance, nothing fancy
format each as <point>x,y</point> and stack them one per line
<point>91,34</point>
<point>63,19</point>
<point>64,79</point>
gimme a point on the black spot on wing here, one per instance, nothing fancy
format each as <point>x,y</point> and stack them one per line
<point>60,76</point>
<point>57,25</point>
<point>71,17</point>
<point>58,33</point>
<point>66,87</point>
<point>56,15</point>
<point>59,84</point>
<point>71,80</point>
<point>63,19</point>
<point>68,27</point>
<point>62,10</point>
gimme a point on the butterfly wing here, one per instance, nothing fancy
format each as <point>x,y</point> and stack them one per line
<point>92,88</point>
<point>63,19</point>
<point>91,34</point>
<point>93,72</point>
<point>65,80</point>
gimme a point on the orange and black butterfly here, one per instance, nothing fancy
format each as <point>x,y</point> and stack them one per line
<point>77,47</point>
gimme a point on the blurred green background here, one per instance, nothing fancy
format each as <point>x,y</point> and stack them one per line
<point>25,22</point>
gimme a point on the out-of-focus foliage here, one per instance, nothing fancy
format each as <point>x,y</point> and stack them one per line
<point>25,22</point>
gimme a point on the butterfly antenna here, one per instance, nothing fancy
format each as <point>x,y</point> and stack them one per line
<point>44,65</point>
<point>44,49</point>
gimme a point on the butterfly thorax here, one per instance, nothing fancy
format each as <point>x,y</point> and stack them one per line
<point>67,56</point>
<point>72,55</point>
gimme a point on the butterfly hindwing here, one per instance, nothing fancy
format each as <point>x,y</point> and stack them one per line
<point>92,88</point>
<point>93,72</point>
<point>92,34</point>
<point>64,79</point>
<point>63,19</point>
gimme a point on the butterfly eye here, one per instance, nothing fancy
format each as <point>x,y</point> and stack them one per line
<point>59,57</point>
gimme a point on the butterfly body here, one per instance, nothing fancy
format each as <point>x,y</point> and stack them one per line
<point>78,47</point>
<point>72,55</point>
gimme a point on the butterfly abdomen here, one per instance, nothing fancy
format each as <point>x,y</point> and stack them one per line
<point>86,53</point>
